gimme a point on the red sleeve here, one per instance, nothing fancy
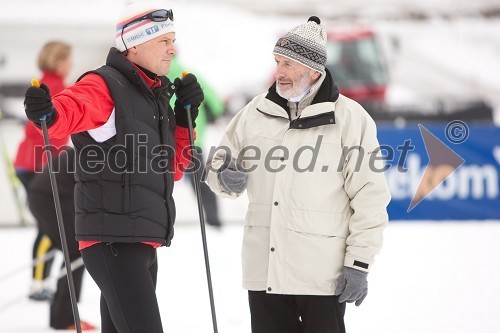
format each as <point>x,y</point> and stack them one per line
<point>182,157</point>
<point>85,105</point>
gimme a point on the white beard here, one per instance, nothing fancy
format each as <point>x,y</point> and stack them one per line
<point>297,89</point>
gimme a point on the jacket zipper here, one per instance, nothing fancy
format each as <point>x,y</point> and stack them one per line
<point>126,192</point>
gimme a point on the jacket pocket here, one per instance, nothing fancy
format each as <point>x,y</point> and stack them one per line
<point>315,250</point>
<point>318,222</point>
<point>255,249</point>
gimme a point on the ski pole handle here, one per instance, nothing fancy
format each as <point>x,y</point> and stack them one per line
<point>35,83</point>
<point>187,106</point>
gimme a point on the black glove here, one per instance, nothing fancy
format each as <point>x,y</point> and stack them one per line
<point>189,92</point>
<point>38,103</point>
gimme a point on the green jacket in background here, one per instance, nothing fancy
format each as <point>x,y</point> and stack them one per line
<point>211,108</point>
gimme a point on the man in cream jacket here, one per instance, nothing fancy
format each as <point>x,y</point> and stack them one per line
<point>310,162</point>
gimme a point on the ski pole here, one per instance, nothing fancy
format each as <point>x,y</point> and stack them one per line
<point>60,223</point>
<point>77,263</point>
<point>200,213</point>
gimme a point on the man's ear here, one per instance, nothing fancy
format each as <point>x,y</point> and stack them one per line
<point>316,75</point>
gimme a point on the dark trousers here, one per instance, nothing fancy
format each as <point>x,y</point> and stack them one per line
<point>271,313</point>
<point>42,244</point>
<point>126,275</point>
<point>42,207</point>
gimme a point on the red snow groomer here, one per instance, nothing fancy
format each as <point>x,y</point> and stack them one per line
<point>357,64</point>
<point>356,61</point>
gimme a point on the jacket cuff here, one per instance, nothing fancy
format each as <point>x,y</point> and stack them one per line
<point>358,263</point>
<point>182,133</point>
<point>181,118</point>
<point>50,119</point>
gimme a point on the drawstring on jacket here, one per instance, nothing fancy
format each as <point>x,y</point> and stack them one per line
<point>114,251</point>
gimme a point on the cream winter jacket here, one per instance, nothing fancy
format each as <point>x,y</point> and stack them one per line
<point>312,208</point>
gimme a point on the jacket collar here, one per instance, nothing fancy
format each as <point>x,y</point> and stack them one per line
<point>323,102</point>
<point>134,73</point>
<point>151,79</point>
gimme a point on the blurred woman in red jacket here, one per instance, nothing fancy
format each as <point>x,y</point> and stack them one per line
<point>55,62</point>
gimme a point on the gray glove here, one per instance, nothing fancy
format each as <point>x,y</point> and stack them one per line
<point>232,178</point>
<point>352,286</point>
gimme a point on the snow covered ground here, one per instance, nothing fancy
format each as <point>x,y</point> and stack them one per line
<point>429,278</point>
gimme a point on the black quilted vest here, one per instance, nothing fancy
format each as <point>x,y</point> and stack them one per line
<point>124,184</point>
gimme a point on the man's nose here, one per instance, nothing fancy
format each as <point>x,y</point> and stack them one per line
<point>279,74</point>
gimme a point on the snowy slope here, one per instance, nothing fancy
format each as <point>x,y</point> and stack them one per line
<point>429,278</point>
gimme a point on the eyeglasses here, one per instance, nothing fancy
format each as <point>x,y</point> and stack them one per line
<point>160,15</point>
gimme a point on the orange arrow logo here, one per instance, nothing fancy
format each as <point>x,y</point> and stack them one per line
<point>442,162</point>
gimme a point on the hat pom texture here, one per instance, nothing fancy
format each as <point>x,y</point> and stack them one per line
<point>314,19</point>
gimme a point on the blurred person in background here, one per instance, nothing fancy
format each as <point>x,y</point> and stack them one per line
<point>55,61</point>
<point>41,203</point>
<point>131,147</point>
<point>310,235</point>
<point>211,109</point>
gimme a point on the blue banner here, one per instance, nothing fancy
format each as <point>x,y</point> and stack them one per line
<point>471,192</point>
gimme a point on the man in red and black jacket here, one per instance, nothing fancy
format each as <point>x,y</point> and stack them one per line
<point>131,147</point>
